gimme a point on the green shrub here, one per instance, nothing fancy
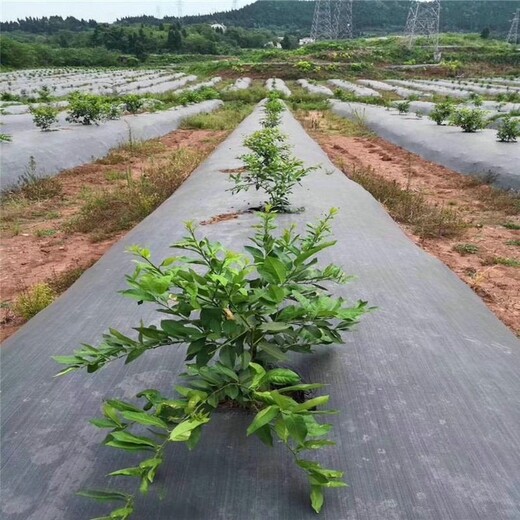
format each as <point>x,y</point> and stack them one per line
<point>239,314</point>
<point>44,94</point>
<point>508,130</point>
<point>5,138</point>
<point>33,300</point>
<point>133,103</point>
<point>469,119</point>
<point>402,106</point>
<point>442,112</point>
<point>271,168</point>
<point>86,108</point>
<point>44,116</point>
<point>197,96</point>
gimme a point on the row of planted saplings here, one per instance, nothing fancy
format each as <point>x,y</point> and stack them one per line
<point>469,119</point>
<point>239,314</point>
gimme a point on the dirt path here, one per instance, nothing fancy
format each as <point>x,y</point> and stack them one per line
<point>492,237</point>
<point>35,244</point>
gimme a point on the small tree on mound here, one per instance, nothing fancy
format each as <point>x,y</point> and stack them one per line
<point>469,119</point>
<point>44,116</point>
<point>239,317</point>
<point>86,108</point>
<point>508,130</point>
<point>270,167</point>
<point>441,112</point>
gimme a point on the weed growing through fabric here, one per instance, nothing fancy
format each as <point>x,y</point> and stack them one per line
<point>5,138</point>
<point>513,243</point>
<point>240,314</point>
<point>508,130</point>
<point>33,300</point>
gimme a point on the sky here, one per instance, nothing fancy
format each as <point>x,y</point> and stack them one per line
<point>108,11</point>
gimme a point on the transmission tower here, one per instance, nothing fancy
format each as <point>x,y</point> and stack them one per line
<point>423,20</point>
<point>179,8</point>
<point>235,5</point>
<point>343,27</point>
<point>322,28</point>
<point>512,37</point>
<point>332,20</point>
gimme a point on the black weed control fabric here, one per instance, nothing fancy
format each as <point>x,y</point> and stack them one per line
<point>427,386</point>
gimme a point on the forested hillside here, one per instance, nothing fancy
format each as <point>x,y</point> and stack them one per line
<point>57,41</point>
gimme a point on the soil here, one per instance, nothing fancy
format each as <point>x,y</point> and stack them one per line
<point>498,285</point>
<point>38,248</point>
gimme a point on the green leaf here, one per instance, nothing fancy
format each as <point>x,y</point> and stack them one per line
<point>182,431</point>
<point>130,438</point>
<point>300,388</point>
<point>273,270</point>
<point>103,496</point>
<point>262,418</point>
<point>316,498</point>
<point>264,434</point>
<point>274,326</point>
<point>126,472</point>
<point>282,376</point>
<point>259,375</point>
<point>312,403</point>
<point>296,427</point>
<point>272,350</point>
<point>145,419</point>
<point>104,423</point>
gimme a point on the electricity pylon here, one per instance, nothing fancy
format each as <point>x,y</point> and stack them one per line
<point>235,5</point>
<point>322,28</point>
<point>424,20</point>
<point>332,20</point>
<point>179,8</point>
<point>343,27</point>
<point>512,37</point>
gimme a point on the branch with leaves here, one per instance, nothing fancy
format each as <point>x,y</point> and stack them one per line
<point>239,315</point>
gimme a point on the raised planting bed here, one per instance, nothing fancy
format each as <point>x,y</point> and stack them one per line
<point>427,387</point>
<point>278,85</point>
<point>53,152</point>
<point>312,88</point>
<point>355,89</point>
<point>400,91</point>
<point>241,84</point>
<point>469,153</point>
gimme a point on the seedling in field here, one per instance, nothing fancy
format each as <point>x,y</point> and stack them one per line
<point>469,119</point>
<point>508,130</point>
<point>239,315</point>
<point>44,116</point>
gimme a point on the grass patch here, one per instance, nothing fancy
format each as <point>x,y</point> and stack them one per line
<point>327,122</point>
<point>60,282</point>
<point>33,300</point>
<point>409,207</point>
<point>513,243</point>
<point>500,260</point>
<point>107,212</point>
<point>466,249</point>
<point>494,198</point>
<point>131,149</point>
<point>511,225</point>
<point>251,95</point>
<point>44,233</point>
<point>226,118</point>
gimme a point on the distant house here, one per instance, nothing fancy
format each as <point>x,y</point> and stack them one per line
<point>306,41</point>
<point>219,27</point>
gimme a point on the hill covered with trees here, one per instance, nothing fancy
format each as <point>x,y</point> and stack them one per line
<point>57,41</point>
